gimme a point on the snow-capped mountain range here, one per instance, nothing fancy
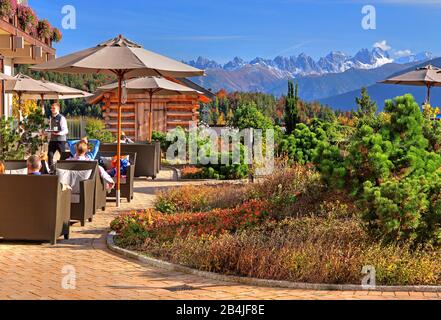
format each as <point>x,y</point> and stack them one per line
<point>303,65</point>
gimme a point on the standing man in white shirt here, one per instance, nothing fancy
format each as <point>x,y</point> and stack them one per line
<point>59,131</point>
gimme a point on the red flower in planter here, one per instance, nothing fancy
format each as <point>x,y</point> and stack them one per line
<point>27,18</point>
<point>44,29</point>
<point>8,8</point>
<point>56,35</point>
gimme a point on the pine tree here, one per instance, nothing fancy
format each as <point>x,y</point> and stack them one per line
<point>366,107</point>
<point>291,112</point>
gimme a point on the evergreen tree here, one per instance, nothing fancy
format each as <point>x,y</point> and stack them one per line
<point>291,111</point>
<point>366,107</point>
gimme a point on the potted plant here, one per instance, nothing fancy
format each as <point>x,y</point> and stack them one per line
<point>44,31</point>
<point>56,35</point>
<point>27,19</point>
<point>8,8</point>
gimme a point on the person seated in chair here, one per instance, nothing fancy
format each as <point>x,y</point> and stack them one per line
<point>91,152</point>
<point>34,166</point>
<point>81,149</point>
<point>81,155</point>
<point>125,139</point>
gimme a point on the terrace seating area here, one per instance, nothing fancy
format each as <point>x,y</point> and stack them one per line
<point>42,207</point>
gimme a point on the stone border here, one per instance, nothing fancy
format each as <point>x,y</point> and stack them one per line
<point>259,282</point>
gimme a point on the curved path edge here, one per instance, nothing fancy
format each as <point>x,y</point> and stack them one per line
<point>259,282</point>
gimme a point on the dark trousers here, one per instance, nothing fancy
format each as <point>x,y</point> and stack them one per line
<point>55,146</point>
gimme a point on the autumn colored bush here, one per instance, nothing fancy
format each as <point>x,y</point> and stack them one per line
<point>290,189</point>
<point>184,199</point>
<point>165,227</point>
<point>191,172</point>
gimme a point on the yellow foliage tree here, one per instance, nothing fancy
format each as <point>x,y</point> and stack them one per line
<point>27,107</point>
<point>430,112</point>
<point>221,120</point>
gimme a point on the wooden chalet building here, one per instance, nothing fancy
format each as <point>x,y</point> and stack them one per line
<point>19,47</point>
<point>169,112</point>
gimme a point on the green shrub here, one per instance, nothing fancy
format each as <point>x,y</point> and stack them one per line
<point>404,209</point>
<point>330,162</point>
<point>96,129</point>
<point>300,145</point>
<point>19,139</point>
<point>392,170</point>
<point>162,138</point>
<point>248,116</point>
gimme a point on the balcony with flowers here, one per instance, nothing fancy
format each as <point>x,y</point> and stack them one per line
<point>23,36</point>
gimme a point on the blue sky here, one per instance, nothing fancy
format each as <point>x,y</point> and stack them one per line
<point>223,29</point>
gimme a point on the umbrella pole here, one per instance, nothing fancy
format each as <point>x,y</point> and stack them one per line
<point>19,107</point>
<point>151,116</point>
<point>428,94</point>
<point>118,148</point>
<point>42,104</point>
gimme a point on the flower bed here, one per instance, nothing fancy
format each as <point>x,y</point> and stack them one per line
<point>150,224</point>
<point>288,227</point>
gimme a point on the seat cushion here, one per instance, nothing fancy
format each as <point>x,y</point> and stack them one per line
<point>75,198</point>
<point>107,163</point>
<point>123,179</point>
<point>73,178</point>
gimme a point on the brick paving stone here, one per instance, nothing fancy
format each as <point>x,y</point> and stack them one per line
<point>34,271</point>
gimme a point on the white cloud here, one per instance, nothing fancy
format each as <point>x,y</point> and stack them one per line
<point>402,53</point>
<point>382,45</point>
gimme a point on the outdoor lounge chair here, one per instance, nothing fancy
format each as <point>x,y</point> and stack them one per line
<point>100,193</point>
<point>100,188</point>
<point>22,165</point>
<point>128,182</point>
<point>158,156</point>
<point>33,208</point>
<point>83,204</point>
<point>147,155</point>
<point>16,165</point>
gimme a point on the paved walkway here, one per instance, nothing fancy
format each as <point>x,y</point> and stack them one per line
<point>35,271</point>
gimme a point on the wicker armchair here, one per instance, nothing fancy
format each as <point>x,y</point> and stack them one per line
<point>83,206</point>
<point>127,184</point>
<point>148,156</point>
<point>33,208</point>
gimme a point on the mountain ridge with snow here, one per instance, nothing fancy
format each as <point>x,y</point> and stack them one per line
<point>304,65</point>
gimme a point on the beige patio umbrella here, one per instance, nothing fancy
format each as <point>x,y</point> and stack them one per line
<point>62,92</point>
<point>125,59</point>
<point>24,87</point>
<point>151,86</point>
<point>28,88</point>
<point>5,77</point>
<point>428,76</point>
